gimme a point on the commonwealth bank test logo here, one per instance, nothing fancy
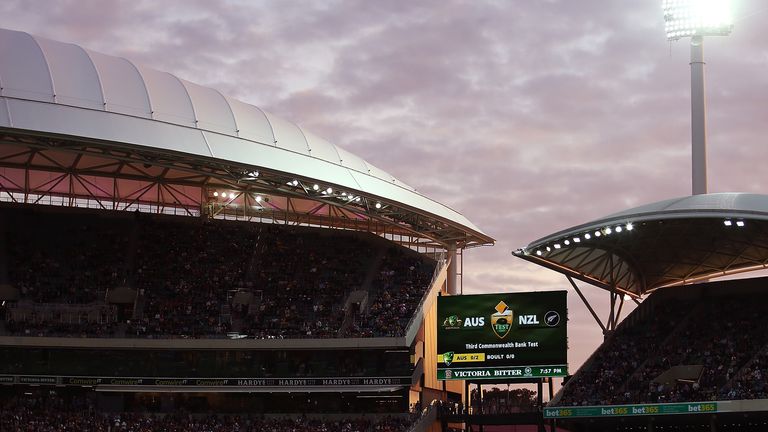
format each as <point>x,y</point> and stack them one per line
<point>501,321</point>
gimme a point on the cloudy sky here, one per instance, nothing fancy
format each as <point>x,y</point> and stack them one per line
<point>526,116</point>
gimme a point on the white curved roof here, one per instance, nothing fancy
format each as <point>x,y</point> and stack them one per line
<point>672,242</point>
<point>60,88</point>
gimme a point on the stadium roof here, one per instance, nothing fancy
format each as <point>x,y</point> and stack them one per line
<point>667,243</point>
<point>73,122</point>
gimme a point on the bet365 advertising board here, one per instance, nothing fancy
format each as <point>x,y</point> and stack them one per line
<point>502,336</point>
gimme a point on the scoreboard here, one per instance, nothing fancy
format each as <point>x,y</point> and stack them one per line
<point>502,336</point>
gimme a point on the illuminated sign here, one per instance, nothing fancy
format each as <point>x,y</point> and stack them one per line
<point>499,336</point>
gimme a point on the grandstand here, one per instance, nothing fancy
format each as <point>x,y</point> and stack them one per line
<point>692,355</point>
<point>174,259</point>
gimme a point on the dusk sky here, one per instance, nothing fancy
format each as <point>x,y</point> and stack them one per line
<point>526,116</point>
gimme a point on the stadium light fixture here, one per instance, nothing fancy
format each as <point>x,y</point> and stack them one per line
<point>258,198</point>
<point>316,187</point>
<point>567,242</point>
<point>696,19</point>
<point>538,252</point>
<point>329,191</point>
<point>378,205</point>
<point>598,233</point>
<point>576,240</point>
<point>739,223</point>
<point>608,230</point>
<point>587,236</point>
<point>557,246</point>
<point>619,229</point>
<point>250,175</point>
<point>630,227</point>
<point>215,194</point>
<point>727,222</point>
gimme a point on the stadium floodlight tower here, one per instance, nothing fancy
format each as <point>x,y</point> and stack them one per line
<point>696,19</point>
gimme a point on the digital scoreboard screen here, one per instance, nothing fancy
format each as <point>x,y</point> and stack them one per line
<point>502,336</point>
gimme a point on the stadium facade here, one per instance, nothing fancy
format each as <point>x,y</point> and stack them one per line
<point>693,354</point>
<point>91,139</point>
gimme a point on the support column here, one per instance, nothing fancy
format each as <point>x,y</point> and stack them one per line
<point>451,279</point>
<point>698,118</point>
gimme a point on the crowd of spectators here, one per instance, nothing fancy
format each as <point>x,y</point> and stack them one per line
<point>23,420</point>
<point>707,352</point>
<point>64,258</point>
<point>600,380</point>
<point>183,272</point>
<point>400,287</point>
<point>59,329</point>
<point>504,401</point>
<point>751,382</point>
<point>48,411</point>
<point>304,280</point>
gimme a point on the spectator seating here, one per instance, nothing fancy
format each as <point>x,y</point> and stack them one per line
<point>707,345</point>
<point>186,277</point>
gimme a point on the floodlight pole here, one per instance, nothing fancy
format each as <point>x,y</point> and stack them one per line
<point>698,118</point>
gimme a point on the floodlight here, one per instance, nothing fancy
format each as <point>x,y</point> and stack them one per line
<point>557,246</point>
<point>316,187</point>
<point>215,194</point>
<point>630,227</point>
<point>686,18</point>
<point>608,230</point>
<point>696,19</point>
<point>598,234</point>
<point>538,252</point>
<point>576,240</point>
<point>329,191</point>
<point>378,205</point>
<point>740,223</point>
<point>587,236</point>
<point>727,222</point>
<point>258,198</point>
<point>295,183</point>
<point>567,242</point>
<point>549,249</point>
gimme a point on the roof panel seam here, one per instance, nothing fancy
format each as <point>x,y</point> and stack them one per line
<point>333,147</point>
<point>271,128</point>
<point>101,89</point>
<point>98,76</point>
<point>231,113</point>
<point>47,65</point>
<point>189,98</point>
<point>143,84</point>
<point>306,141</point>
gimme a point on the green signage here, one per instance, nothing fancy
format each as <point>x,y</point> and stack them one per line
<point>631,410</point>
<point>500,336</point>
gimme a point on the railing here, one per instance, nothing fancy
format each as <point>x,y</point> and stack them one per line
<point>428,417</point>
<point>415,322</point>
